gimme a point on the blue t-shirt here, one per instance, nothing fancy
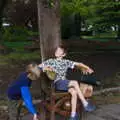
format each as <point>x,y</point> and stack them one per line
<point>19,89</point>
<point>14,90</point>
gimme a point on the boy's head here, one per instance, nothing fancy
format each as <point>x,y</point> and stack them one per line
<point>33,71</point>
<point>60,52</point>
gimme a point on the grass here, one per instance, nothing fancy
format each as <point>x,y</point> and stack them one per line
<point>12,57</point>
<point>20,54</point>
<point>103,37</point>
<point>96,38</point>
<point>17,46</point>
<point>107,42</point>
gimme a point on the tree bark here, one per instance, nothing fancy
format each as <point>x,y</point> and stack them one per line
<point>118,33</point>
<point>78,20</point>
<point>49,26</point>
<point>50,35</point>
<point>2,6</point>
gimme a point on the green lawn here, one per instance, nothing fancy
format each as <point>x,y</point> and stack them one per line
<point>16,57</point>
<point>18,46</point>
<point>101,39</point>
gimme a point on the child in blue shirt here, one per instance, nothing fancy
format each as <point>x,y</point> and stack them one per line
<point>20,90</point>
<point>60,66</point>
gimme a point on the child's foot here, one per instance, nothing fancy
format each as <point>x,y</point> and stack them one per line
<point>90,107</point>
<point>74,118</point>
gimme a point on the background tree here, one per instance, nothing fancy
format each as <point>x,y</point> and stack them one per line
<point>73,14</point>
<point>27,10</point>
<point>104,14</point>
<point>3,3</point>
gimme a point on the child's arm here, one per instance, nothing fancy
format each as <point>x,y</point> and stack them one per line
<point>45,67</point>
<point>40,66</point>
<point>85,69</point>
<point>25,92</point>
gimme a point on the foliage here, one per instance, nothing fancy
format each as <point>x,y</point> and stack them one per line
<point>22,13</point>
<point>73,13</point>
<point>100,14</point>
<point>15,33</point>
<point>73,6</point>
<point>17,57</point>
<point>17,46</point>
<point>104,14</point>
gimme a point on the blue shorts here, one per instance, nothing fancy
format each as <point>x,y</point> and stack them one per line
<point>62,85</point>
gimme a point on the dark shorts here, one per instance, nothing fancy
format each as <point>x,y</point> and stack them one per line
<point>62,85</point>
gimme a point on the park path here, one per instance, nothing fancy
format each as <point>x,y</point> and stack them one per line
<point>104,112</point>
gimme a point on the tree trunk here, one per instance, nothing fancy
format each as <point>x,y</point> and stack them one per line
<point>2,6</point>
<point>50,35</point>
<point>78,21</point>
<point>118,33</point>
<point>49,26</point>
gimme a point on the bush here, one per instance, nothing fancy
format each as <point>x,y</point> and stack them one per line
<point>18,57</point>
<point>14,33</point>
<point>88,33</point>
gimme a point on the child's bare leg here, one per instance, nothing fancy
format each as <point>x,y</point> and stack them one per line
<point>73,93</point>
<point>88,106</point>
<point>79,93</point>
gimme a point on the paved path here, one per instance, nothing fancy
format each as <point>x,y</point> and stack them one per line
<point>105,112</point>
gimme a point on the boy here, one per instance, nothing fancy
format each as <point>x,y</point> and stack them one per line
<point>19,90</point>
<point>60,67</point>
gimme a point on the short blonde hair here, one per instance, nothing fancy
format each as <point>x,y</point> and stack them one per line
<point>33,71</point>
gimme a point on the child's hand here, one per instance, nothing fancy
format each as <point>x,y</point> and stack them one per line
<point>87,71</point>
<point>90,71</point>
<point>48,68</point>
<point>35,117</point>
